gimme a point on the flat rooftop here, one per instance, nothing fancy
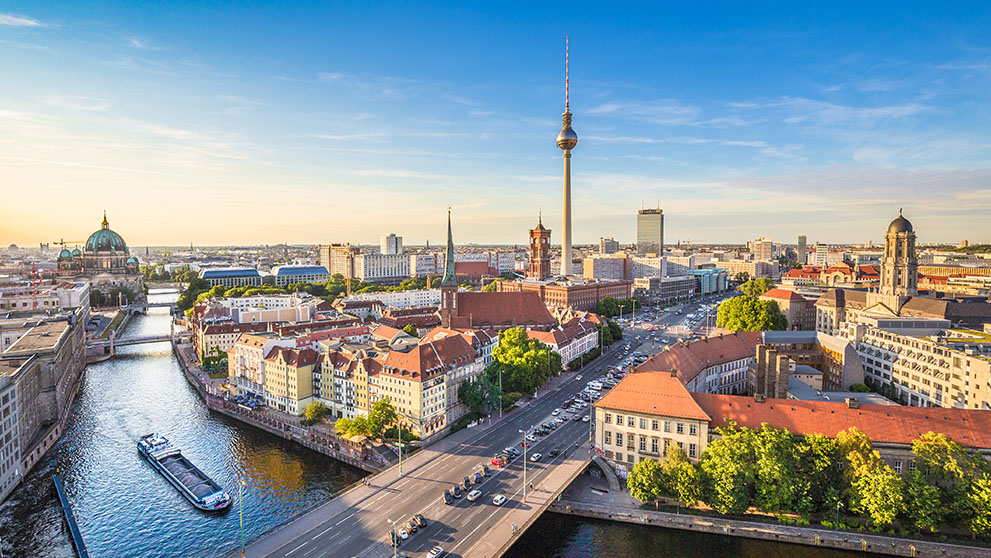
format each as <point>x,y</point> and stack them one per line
<point>41,338</point>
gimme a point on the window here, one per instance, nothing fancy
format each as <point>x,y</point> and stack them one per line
<point>619,438</point>
<point>643,423</point>
<point>608,418</point>
<point>630,422</point>
<point>619,456</point>
<point>681,428</point>
<point>897,466</point>
<point>653,424</point>
<point>692,429</point>
<point>643,444</point>
<point>608,436</point>
<point>911,465</point>
<point>653,446</point>
<point>667,426</point>
<point>619,420</point>
<point>691,450</point>
<point>629,458</point>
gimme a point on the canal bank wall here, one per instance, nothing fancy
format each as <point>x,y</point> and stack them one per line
<point>320,443</point>
<point>856,542</point>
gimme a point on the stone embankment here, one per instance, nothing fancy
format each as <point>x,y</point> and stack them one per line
<point>857,542</point>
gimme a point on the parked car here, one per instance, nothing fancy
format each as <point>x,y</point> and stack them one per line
<point>556,412</point>
<point>448,499</point>
<point>456,492</point>
<point>485,470</point>
<point>466,483</point>
<point>435,552</point>
<point>410,527</point>
<point>496,461</point>
<point>585,418</point>
<point>474,495</point>
<point>536,457</point>
<point>477,478</point>
<point>499,500</point>
<point>420,522</point>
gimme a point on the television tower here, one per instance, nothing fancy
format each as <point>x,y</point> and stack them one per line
<point>567,139</point>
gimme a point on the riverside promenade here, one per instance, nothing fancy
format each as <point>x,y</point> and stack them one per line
<point>590,497</point>
<point>321,440</point>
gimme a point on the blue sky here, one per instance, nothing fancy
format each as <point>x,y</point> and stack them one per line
<point>331,122</point>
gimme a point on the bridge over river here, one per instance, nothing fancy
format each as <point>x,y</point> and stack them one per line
<point>357,522</point>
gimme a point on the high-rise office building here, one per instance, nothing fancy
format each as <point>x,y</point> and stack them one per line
<point>608,245</point>
<point>763,249</point>
<point>650,231</point>
<point>392,244</point>
<point>802,249</point>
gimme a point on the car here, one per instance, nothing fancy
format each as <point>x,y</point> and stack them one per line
<point>536,457</point>
<point>474,495</point>
<point>585,418</point>
<point>420,522</point>
<point>556,412</point>
<point>435,552</point>
<point>456,491</point>
<point>477,478</point>
<point>448,499</point>
<point>410,527</point>
<point>466,483</point>
<point>485,470</point>
<point>577,418</point>
<point>531,438</point>
<point>394,538</point>
<point>514,451</point>
<point>554,453</point>
<point>498,462</point>
<point>579,377</point>
<point>499,500</point>
<point>403,533</point>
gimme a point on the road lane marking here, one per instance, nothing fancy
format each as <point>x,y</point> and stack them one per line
<point>321,533</point>
<point>343,520</point>
<point>295,549</point>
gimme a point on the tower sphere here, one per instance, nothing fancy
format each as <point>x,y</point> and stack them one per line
<point>567,138</point>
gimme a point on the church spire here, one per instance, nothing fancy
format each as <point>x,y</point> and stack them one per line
<point>105,224</point>
<point>449,275</point>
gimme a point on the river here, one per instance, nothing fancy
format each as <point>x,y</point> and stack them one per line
<point>126,509</point>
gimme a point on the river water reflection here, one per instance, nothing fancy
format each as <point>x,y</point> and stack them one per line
<point>123,506</point>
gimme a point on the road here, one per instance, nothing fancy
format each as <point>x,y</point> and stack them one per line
<point>361,529</point>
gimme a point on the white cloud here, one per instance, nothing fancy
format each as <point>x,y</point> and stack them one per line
<point>172,133</point>
<point>666,112</point>
<point>76,102</point>
<point>398,174</point>
<point>20,21</point>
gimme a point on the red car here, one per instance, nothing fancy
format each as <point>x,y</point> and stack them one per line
<point>497,462</point>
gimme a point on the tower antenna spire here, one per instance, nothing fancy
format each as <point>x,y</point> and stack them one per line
<point>567,75</point>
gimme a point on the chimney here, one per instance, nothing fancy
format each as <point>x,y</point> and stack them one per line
<point>853,402</point>
<point>759,397</point>
<point>674,373</point>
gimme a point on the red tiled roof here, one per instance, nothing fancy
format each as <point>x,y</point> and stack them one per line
<point>430,358</point>
<point>688,359</point>
<point>654,393</point>
<point>782,294</point>
<point>881,423</point>
<point>497,310</point>
<point>293,357</point>
<point>471,268</point>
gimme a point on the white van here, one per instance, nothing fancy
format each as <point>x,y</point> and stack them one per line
<point>595,385</point>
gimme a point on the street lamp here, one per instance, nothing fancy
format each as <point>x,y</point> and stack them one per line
<point>240,503</point>
<point>525,444</point>
<point>394,536</point>
<point>836,526</point>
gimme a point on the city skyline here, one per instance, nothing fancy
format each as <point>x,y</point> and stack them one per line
<point>723,120</point>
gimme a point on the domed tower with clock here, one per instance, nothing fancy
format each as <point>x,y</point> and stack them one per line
<point>105,262</point>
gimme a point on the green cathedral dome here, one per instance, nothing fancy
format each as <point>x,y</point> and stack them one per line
<point>105,240</point>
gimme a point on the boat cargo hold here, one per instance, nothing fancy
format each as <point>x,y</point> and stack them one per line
<point>193,483</point>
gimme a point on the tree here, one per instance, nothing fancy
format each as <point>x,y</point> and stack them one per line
<point>605,334</point>
<point>775,468</point>
<point>746,313</point>
<point>728,465</point>
<point>682,478</point>
<point>358,426</point>
<point>645,481</point>
<point>411,329</point>
<point>860,387</point>
<point>615,329</point>
<point>946,465</point>
<point>380,416</point>
<point>922,502</point>
<point>491,287</point>
<point>756,287</point>
<point>479,394</point>
<point>820,483</point>
<point>607,307</point>
<point>314,412</point>
<point>979,500</point>
<point>741,277</point>
<point>525,363</point>
<point>881,494</point>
